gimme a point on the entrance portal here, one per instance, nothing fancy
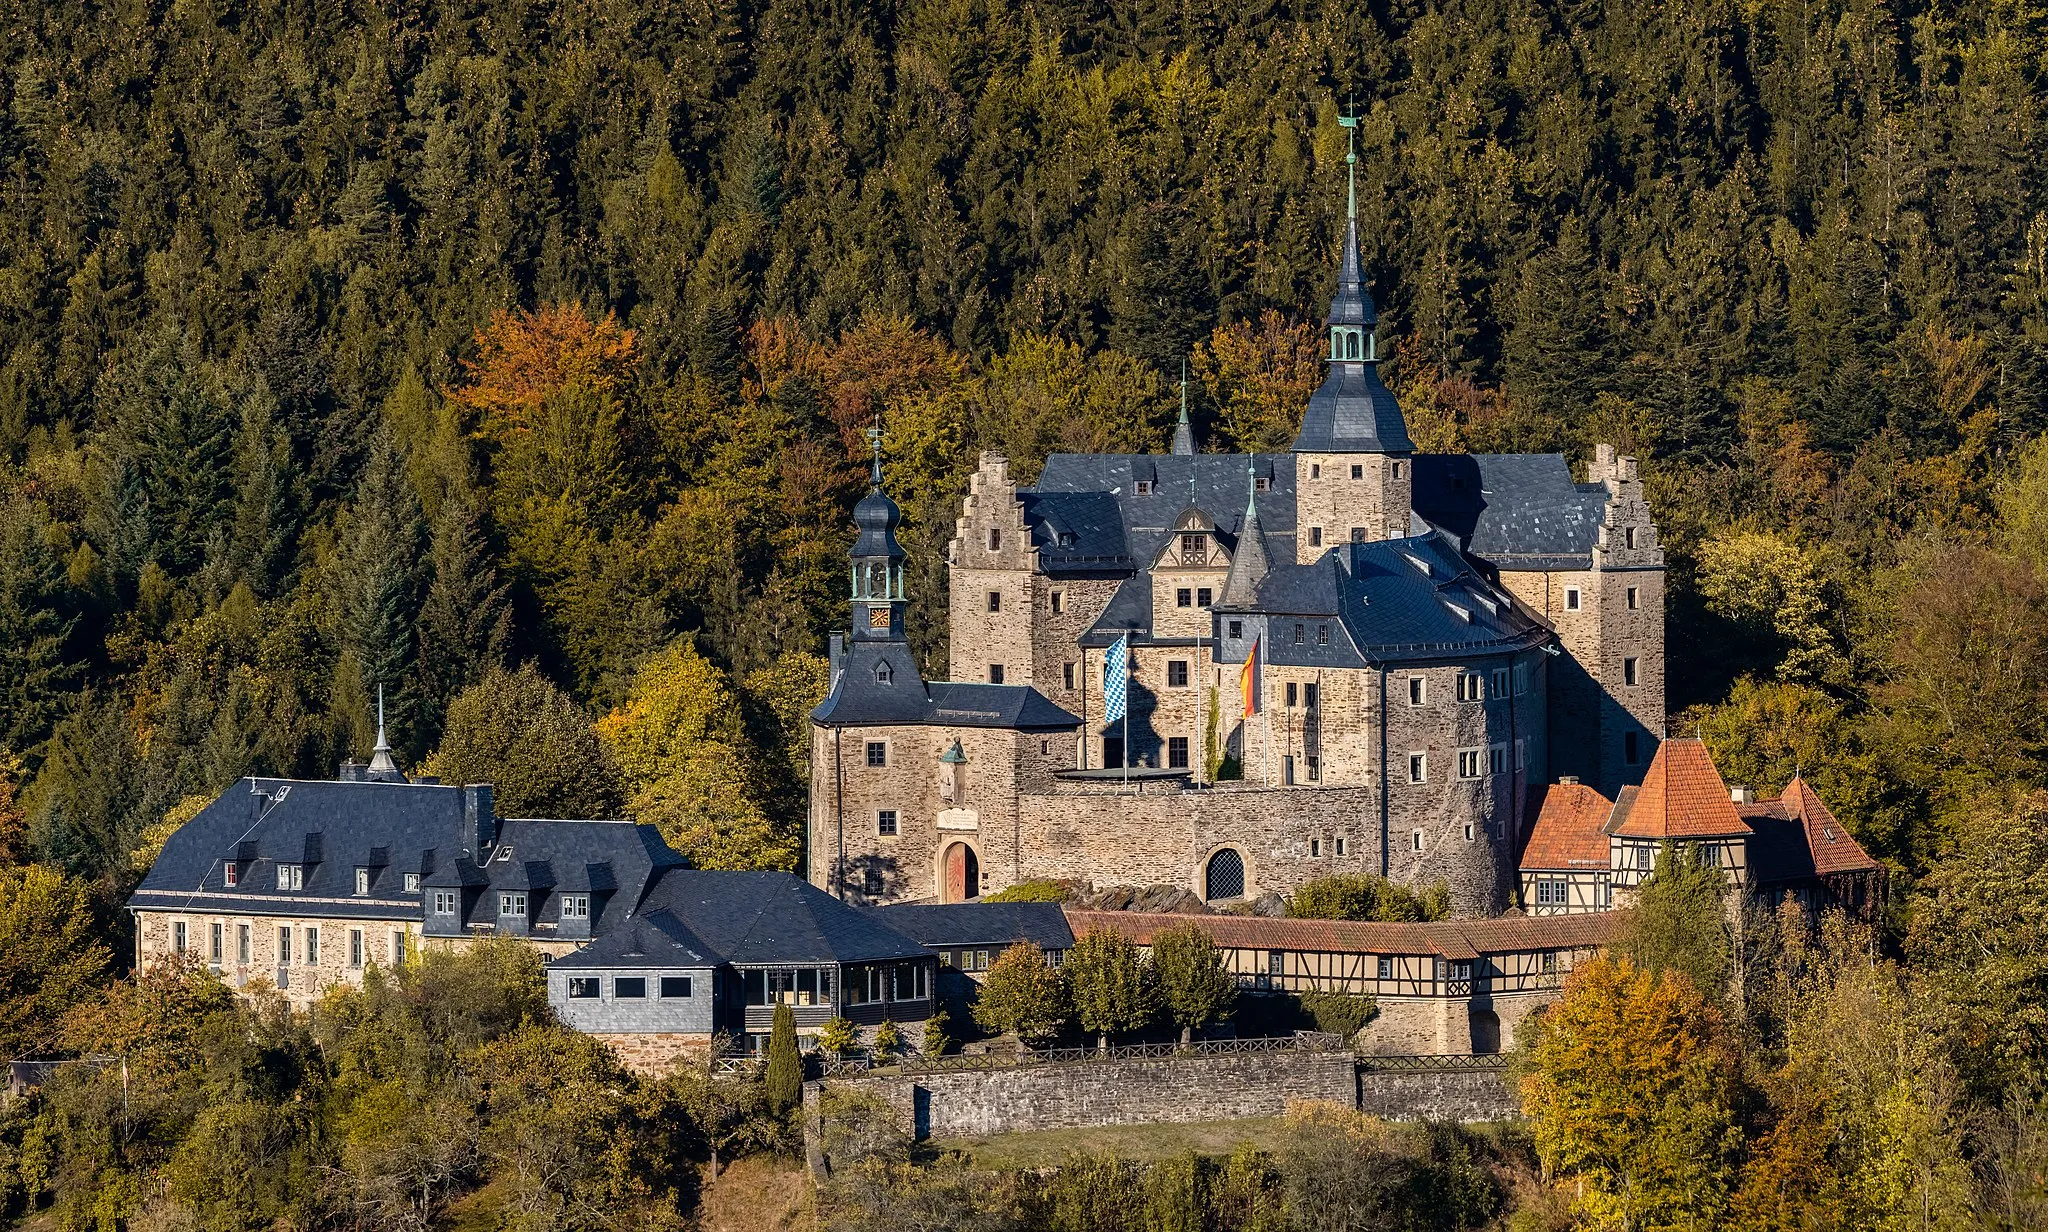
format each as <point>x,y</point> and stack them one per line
<point>963,874</point>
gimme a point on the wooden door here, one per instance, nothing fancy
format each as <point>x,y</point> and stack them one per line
<point>956,873</point>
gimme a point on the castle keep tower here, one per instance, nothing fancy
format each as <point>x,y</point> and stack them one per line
<point>1352,471</point>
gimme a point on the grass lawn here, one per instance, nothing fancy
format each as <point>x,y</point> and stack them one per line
<point>1046,1147</point>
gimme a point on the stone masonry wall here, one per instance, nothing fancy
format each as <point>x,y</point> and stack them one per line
<point>1441,1095</point>
<point>303,980</point>
<point>654,1053</point>
<point>1326,496</point>
<point>978,1103</point>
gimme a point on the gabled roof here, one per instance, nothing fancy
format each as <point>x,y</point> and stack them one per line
<point>897,696</point>
<point>966,704</point>
<point>1797,838</point>
<point>754,919</point>
<point>1568,833</point>
<point>1518,511</point>
<point>1459,939</point>
<point>544,854</point>
<point>1682,796</point>
<point>983,924</point>
<point>657,939</point>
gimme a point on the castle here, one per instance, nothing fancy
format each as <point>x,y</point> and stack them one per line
<point>1346,658</point>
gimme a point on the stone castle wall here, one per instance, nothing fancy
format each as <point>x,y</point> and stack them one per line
<point>302,981</point>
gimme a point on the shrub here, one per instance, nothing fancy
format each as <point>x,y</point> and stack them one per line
<point>838,1035</point>
<point>888,1039</point>
<point>1042,890</point>
<point>1338,1012</point>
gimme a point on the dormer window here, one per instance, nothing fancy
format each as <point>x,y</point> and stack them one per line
<point>412,883</point>
<point>512,904</point>
<point>883,674</point>
<point>230,873</point>
<point>444,902</point>
<point>291,876</point>
<point>1066,538</point>
<point>1262,484</point>
<point>575,906</point>
<point>362,880</point>
<point>1143,487</point>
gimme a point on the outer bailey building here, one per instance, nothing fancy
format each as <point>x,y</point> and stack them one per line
<point>1432,637</point>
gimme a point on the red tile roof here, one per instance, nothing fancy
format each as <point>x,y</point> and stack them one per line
<point>1834,851</point>
<point>1462,939</point>
<point>1568,830</point>
<point>1682,797</point>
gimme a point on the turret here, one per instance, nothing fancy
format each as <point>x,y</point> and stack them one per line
<point>877,561</point>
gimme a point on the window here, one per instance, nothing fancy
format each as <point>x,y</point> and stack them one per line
<point>1236,630</point>
<point>1471,686</point>
<point>1415,840</point>
<point>1143,486</point>
<point>1551,894</point>
<point>398,946</point>
<point>1630,755</point>
<point>1571,598</point>
<point>284,946</point>
<point>230,873</point>
<point>242,943</point>
<point>878,752</point>
<point>871,881</point>
<point>1357,472</point>
<point>1176,673</point>
<point>1315,775</point>
<point>583,987</point>
<point>1194,548</point>
<point>1471,832</point>
<point>675,987</point>
<point>575,906</point>
<point>910,982</point>
<point>1310,695</point>
<point>1646,858</point>
<point>291,876</point>
<point>1315,470</point>
<point>355,948</point>
<point>1497,759</point>
<point>1628,537</point>
<point>1358,534</point>
<point>884,673</point>
<point>178,936</point>
<point>1276,962</point>
<point>1418,691</point>
<point>1292,689</point>
<point>1059,602</point>
<point>1203,596</point>
<point>1287,770</point>
<point>362,881</point>
<point>444,902</point>
<point>1497,682</point>
<point>1550,962</point>
<point>885,821</point>
<point>1176,752</point>
<point>1629,672</point>
<point>1184,597</point>
<point>1607,893</point>
<point>981,960</point>
<point>995,539</point>
<point>1315,536</point>
<point>1340,844</point>
<point>1322,635</point>
<point>1710,855</point>
<point>312,947</point>
<point>1634,598</point>
<point>995,673</point>
<point>512,904</point>
<point>1067,674</point>
<point>1521,679</point>
<point>1418,771</point>
<point>1262,484</point>
<point>995,600</point>
<point>1384,968</point>
<point>1315,847</point>
<point>412,883</point>
<point>629,987</point>
<point>1521,754</point>
<point>1461,971</point>
<point>216,941</point>
<point>1469,763</point>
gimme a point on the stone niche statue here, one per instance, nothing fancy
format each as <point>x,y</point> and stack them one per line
<point>953,790</point>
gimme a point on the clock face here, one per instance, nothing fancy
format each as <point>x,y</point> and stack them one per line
<point>878,618</point>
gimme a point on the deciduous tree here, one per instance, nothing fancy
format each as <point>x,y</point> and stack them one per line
<point>1022,995</point>
<point>1114,987</point>
<point>1192,981</point>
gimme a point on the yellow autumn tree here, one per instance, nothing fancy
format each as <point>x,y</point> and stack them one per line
<point>1630,1093</point>
<point>1259,375</point>
<point>681,745</point>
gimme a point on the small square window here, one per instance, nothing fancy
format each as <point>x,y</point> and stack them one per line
<point>995,600</point>
<point>583,987</point>
<point>1418,772</point>
<point>675,986</point>
<point>995,673</point>
<point>1144,487</point>
<point>629,987</point>
<point>1236,630</point>
<point>885,821</point>
<point>1635,598</point>
<point>1571,598</point>
<point>1184,597</point>
<point>878,753</point>
<point>1358,534</point>
<point>871,882</point>
<point>1357,472</point>
<point>1176,673</point>
<point>1629,671</point>
<point>1418,691</point>
<point>1203,596</point>
<point>1262,484</point>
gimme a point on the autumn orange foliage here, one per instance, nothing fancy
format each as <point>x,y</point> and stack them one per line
<point>525,357</point>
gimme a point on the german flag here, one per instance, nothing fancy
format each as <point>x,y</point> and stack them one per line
<point>1249,682</point>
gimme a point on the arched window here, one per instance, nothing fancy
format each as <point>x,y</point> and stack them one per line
<point>1225,875</point>
<point>878,580</point>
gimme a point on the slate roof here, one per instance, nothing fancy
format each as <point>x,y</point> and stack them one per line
<point>1460,939</point>
<point>765,919</point>
<point>1215,483</point>
<point>330,828</point>
<point>1568,833</point>
<point>985,924</point>
<point>578,856</point>
<point>1682,796</point>
<point>861,698</point>
<point>1418,598</point>
<point>1353,411</point>
<point>658,939</point>
<point>1520,511</point>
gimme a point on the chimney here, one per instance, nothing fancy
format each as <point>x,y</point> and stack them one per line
<point>1742,795</point>
<point>1567,780</point>
<point>350,772</point>
<point>479,827</point>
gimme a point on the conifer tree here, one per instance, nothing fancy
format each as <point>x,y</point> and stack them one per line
<point>35,673</point>
<point>785,1077</point>
<point>465,622</point>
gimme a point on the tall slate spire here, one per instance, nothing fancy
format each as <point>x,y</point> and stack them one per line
<point>1353,411</point>
<point>383,767</point>
<point>1251,562</point>
<point>1184,432</point>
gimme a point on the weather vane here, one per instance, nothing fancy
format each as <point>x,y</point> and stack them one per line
<point>874,436</point>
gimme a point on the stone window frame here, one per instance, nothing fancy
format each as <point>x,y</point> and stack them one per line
<point>1418,691</point>
<point>217,942</point>
<point>1498,683</point>
<point>1574,599</point>
<point>1631,671</point>
<point>245,943</point>
<point>1497,758</point>
<point>1315,849</point>
<point>1357,470</point>
<point>1418,769</point>
<point>1180,752</point>
<point>1471,832</point>
<point>888,823</point>
<point>181,936</point>
<point>1340,844</point>
<point>399,947</point>
<point>357,949</point>
<point>1184,596</point>
<point>1315,775</point>
<point>995,673</point>
<point>309,946</point>
<point>1471,763</point>
<point>1205,598</point>
<point>1415,840</point>
<point>1315,536</point>
<point>1182,670</point>
<point>995,601</point>
<point>1058,601</point>
<point>1628,537</point>
<point>1143,487</point>
<point>1262,484</point>
<point>875,756</point>
<point>1067,674</point>
<point>995,539</point>
<point>1634,596</point>
<point>1471,687</point>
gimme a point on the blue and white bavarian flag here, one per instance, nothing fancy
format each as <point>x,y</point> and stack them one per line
<point>1116,677</point>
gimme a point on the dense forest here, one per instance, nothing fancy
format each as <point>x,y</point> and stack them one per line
<point>511,361</point>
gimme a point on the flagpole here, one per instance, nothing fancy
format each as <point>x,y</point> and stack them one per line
<point>1266,749</point>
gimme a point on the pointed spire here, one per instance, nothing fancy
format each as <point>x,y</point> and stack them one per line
<point>383,767</point>
<point>1184,432</point>
<point>874,436</point>
<point>1251,562</point>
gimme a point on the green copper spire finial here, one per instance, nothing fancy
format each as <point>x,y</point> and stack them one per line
<point>1350,124</point>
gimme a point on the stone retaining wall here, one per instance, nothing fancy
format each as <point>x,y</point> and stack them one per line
<point>1443,1095</point>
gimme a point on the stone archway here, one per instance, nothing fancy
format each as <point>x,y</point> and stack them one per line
<point>1485,1032</point>
<point>1223,876</point>
<point>960,874</point>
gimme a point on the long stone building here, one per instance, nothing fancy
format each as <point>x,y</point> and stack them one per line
<point>1345,658</point>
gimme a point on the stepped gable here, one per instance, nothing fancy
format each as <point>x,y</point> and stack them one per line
<point>1682,796</point>
<point>1568,832</point>
<point>1517,511</point>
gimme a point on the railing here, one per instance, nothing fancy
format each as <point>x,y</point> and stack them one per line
<point>1436,1064</point>
<point>1300,1041</point>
